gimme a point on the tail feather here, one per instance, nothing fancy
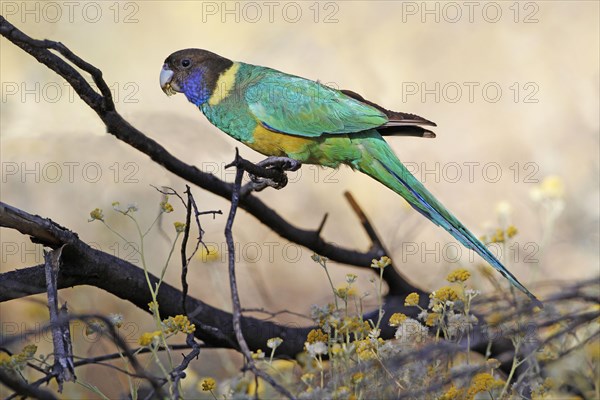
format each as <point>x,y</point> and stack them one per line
<point>381,163</point>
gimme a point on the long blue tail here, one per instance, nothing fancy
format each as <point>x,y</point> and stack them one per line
<point>380,162</point>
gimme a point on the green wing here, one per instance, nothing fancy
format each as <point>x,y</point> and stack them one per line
<point>298,106</point>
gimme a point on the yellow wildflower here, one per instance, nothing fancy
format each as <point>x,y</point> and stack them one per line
<point>179,323</point>
<point>166,207</point>
<point>483,382</point>
<point>345,291</point>
<point>274,343</point>
<point>366,349</point>
<point>28,351</point>
<point>432,319</point>
<point>396,319</point>
<point>364,328</point>
<point>19,360</point>
<point>209,253</point>
<point>96,214</point>
<point>336,349</point>
<point>458,275</point>
<point>445,293</point>
<point>511,231</point>
<point>148,337</point>
<point>552,187</point>
<point>357,378</point>
<point>208,384</point>
<point>366,355</point>
<point>543,391</point>
<point>549,383</point>
<point>152,306</point>
<point>411,300</point>
<point>317,335</point>
<point>179,226</point>
<point>381,263</point>
<point>453,393</point>
<point>307,378</point>
<point>258,355</point>
<point>498,236</point>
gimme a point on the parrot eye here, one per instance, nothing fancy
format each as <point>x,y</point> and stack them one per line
<point>185,63</point>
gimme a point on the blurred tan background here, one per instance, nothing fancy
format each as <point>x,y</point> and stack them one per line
<point>513,87</point>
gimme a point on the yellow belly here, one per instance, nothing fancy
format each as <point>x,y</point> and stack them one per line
<point>325,150</point>
<point>276,144</point>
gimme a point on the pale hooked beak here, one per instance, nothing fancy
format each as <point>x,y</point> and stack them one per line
<point>170,88</point>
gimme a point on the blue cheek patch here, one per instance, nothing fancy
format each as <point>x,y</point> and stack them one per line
<point>194,88</point>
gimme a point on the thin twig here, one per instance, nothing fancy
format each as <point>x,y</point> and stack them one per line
<point>179,372</point>
<point>273,314</point>
<point>235,298</point>
<point>184,260</point>
<point>63,368</point>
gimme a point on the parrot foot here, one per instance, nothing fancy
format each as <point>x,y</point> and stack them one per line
<point>280,165</point>
<point>270,172</point>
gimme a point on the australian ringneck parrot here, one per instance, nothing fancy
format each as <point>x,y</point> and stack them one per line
<point>278,114</point>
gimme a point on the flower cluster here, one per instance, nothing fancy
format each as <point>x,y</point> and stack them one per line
<point>444,294</point>
<point>381,263</point>
<point>166,207</point>
<point>397,318</point>
<point>179,227</point>
<point>274,343</point>
<point>483,382</point>
<point>208,384</point>
<point>148,338</point>
<point>17,362</point>
<point>96,214</point>
<point>178,323</point>
<point>412,300</point>
<point>317,335</point>
<point>459,275</point>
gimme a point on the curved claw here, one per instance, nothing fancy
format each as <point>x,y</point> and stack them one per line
<point>283,163</point>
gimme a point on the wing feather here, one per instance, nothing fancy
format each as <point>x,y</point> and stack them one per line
<point>298,106</point>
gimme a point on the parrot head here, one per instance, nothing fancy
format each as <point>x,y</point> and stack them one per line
<point>193,72</point>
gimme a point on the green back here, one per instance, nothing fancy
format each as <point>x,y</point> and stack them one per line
<point>298,106</point>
